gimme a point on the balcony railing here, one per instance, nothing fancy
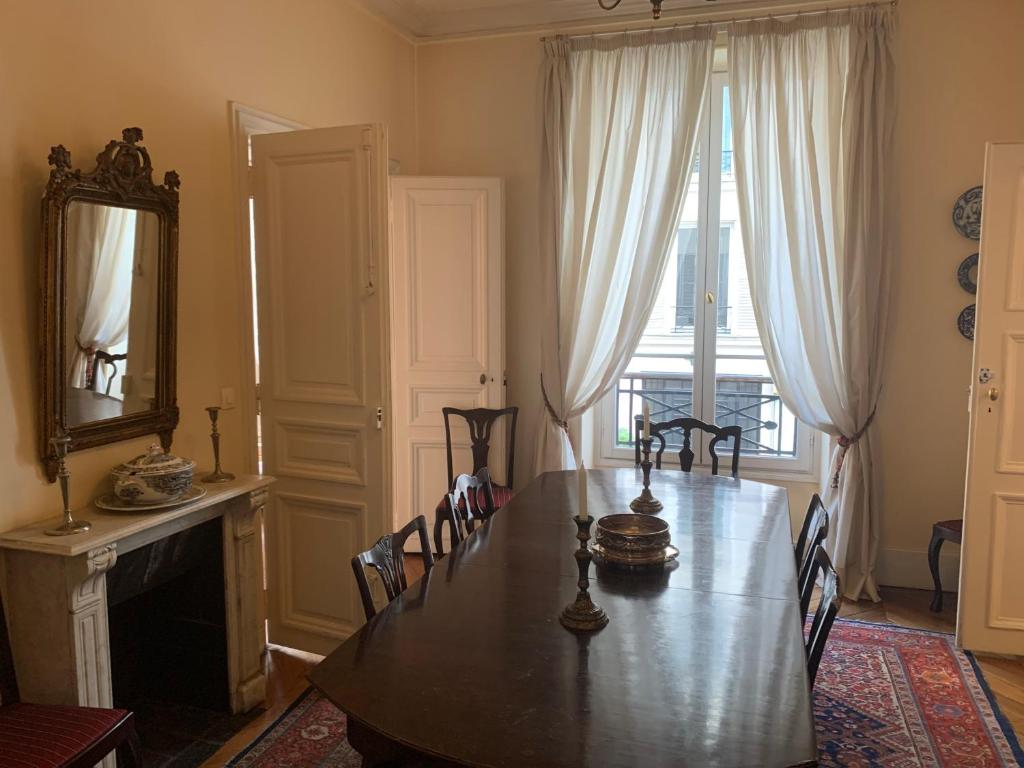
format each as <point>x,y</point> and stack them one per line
<point>739,400</point>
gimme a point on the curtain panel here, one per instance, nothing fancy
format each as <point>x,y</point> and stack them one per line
<point>105,251</point>
<point>813,104</point>
<point>621,121</point>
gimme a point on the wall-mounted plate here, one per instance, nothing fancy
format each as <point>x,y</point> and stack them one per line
<point>967,214</point>
<point>965,322</point>
<point>967,273</point>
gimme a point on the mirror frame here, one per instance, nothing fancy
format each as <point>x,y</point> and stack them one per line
<point>123,177</point>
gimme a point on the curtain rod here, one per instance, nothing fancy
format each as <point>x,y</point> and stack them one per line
<point>722,23</point>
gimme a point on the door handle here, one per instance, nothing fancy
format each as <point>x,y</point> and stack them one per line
<point>992,394</point>
<point>483,378</point>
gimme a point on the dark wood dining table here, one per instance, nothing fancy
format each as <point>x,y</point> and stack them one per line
<point>701,664</point>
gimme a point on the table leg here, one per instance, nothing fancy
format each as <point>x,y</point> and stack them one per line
<point>933,564</point>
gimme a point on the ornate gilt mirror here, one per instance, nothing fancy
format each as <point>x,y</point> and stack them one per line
<point>108,300</point>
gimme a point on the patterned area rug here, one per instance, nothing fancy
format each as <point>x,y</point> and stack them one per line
<point>900,698</point>
<point>886,697</point>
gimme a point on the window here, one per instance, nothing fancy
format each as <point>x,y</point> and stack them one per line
<point>701,354</point>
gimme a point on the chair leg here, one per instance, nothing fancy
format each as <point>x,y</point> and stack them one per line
<point>933,564</point>
<point>438,540</point>
<point>129,753</point>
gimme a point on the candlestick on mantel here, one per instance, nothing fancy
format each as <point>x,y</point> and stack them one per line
<point>218,475</point>
<point>68,524</point>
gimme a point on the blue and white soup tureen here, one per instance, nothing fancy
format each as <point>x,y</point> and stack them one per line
<point>154,477</point>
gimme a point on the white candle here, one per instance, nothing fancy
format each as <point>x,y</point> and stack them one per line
<point>582,477</point>
<point>647,422</point>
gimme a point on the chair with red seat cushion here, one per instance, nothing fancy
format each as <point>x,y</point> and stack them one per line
<point>481,423</point>
<point>57,736</point>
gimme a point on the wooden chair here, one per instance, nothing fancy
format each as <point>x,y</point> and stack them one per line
<point>481,424</point>
<point>825,615</point>
<point>947,530</point>
<point>387,558</point>
<point>471,501</point>
<point>58,736</point>
<point>812,536</point>
<point>106,359</point>
<point>686,454</point>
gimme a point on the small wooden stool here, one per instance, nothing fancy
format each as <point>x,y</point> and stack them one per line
<point>947,530</point>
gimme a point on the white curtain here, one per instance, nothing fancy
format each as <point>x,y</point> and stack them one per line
<point>621,117</point>
<point>813,104</point>
<point>103,239</point>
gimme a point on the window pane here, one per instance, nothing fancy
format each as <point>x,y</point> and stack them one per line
<point>744,391</point>
<point>661,370</point>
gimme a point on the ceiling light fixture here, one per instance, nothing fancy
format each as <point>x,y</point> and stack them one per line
<point>655,6</point>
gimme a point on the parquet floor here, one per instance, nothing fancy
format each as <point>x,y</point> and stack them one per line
<point>287,668</point>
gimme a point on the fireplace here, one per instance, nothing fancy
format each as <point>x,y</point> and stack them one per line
<point>168,601</point>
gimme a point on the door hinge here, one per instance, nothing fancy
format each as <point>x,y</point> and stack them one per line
<point>380,418</point>
<point>259,400</point>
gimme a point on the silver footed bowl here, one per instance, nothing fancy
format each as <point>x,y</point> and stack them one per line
<point>632,534</point>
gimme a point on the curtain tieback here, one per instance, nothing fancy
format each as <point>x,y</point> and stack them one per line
<point>90,358</point>
<point>844,445</point>
<point>551,409</point>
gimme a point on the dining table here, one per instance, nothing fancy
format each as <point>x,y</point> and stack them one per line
<point>702,662</point>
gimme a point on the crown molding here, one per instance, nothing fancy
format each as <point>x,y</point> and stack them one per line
<point>447,19</point>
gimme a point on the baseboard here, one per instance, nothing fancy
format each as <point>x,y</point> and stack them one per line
<point>909,568</point>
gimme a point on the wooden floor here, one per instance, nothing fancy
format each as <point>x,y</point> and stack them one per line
<point>286,680</point>
<point>287,668</point>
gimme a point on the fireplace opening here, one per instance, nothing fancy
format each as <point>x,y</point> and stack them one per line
<point>168,643</point>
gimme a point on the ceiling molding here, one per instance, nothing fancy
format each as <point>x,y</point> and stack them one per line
<point>437,20</point>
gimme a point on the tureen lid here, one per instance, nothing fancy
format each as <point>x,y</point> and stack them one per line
<point>156,460</point>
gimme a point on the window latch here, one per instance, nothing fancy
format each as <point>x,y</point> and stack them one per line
<point>709,297</point>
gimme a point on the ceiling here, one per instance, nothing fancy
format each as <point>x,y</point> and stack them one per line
<point>426,19</point>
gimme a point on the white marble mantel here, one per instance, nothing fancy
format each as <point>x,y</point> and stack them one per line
<point>55,595</point>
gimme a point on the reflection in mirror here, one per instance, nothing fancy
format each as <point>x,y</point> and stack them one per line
<point>111,315</point>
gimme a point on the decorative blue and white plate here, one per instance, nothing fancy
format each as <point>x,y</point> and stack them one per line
<point>967,214</point>
<point>967,273</point>
<point>965,322</point>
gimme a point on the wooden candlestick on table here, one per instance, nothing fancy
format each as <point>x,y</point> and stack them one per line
<point>645,503</point>
<point>583,614</point>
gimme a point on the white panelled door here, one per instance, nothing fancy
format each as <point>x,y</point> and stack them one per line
<point>991,612</point>
<point>447,311</point>
<point>321,225</point>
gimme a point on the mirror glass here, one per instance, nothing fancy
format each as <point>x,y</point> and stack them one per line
<point>111,312</point>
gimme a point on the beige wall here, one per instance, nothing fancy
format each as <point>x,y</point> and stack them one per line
<point>960,81</point>
<point>961,68</point>
<point>78,72</point>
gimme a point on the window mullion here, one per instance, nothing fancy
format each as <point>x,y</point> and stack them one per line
<point>711,179</point>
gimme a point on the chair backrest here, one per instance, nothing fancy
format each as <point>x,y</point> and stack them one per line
<point>481,423</point>
<point>825,615</point>
<point>107,359</point>
<point>387,558</point>
<point>817,532</point>
<point>686,454</point>
<point>471,501</point>
<point>812,520</point>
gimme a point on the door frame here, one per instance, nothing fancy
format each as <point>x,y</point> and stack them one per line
<point>246,121</point>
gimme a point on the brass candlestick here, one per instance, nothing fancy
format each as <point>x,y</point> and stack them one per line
<point>218,475</point>
<point>69,525</point>
<point>645,503</point>
<point>583,615</point>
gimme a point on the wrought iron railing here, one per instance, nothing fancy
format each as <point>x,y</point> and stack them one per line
<point>739,400</point>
